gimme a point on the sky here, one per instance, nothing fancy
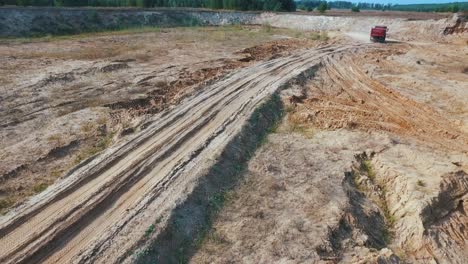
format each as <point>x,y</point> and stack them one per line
<point>403,2</point>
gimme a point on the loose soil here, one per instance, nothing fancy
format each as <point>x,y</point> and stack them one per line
<point>156,144</point>
<point>369,166</point>
<point>81,94</point>
<point>124,147</point>
<point>377,13</point>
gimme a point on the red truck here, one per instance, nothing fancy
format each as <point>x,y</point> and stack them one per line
<point>378,33</point>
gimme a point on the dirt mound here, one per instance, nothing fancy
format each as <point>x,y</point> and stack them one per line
<point>445,218</point>
<point>461,26</point>
<point>273,49</point>
<point>353,100</point>
<point>370,166</point>
<point>166,93</point>
<point>192,79</point>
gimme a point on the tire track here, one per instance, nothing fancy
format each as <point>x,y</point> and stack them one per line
<point>75,216</point>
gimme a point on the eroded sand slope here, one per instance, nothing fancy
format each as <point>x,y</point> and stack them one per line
<point>101,200</point>
<point>369,166</point>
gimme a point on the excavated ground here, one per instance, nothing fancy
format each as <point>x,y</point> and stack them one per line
<point>170,117</point>
<point>149,132</point>
<point>65,99</point>
<point>370,165</point>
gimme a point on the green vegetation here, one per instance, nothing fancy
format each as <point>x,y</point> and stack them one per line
<point>56,172</point>
<point>315,4</point>
<point>40,187</point>
<point>421,183</point>
<point>5,204</point>
<point>217,238</point>
<point>366,167</point>
<point>150,230</point>
<point>267,28</point>
<point>446,7</point>
<point>322,7</point>
<point>322,36</point>
<point>51,38</point>
<point>272,5</point>
<point>101,144</point>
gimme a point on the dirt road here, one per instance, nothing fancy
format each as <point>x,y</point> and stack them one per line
<point>77,102</point>
<point>83,215</point>
<point>369,166</point>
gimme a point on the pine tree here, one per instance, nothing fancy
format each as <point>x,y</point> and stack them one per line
<point>322,7</point>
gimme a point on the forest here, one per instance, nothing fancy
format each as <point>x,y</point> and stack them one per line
<point>310,5</point>
<point>267,5</point>
<point>449,7</point>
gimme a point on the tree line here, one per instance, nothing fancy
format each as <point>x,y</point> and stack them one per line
<point>244,5</point>
<point>320,5</point>
<point>449,7</point>
<point>268,5</point>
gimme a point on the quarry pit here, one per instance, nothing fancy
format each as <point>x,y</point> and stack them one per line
<point>195,136</point>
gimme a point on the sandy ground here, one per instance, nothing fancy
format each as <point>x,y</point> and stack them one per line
<point>150,151</point>
<point>65,99</point>
<point>106,136</point>
<point>377,13</point>
<point>369,166</point>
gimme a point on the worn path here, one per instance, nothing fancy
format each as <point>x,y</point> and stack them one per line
<point>80,218</point>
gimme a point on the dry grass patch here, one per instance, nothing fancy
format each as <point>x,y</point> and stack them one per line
<point>101,144</point>
<point>55,139</point>
<point>6,203</point>
<point>40,187</point>
<point>421,183</point>
<point>143,44</point>
<point>90,52</point>
<point>293,124</point>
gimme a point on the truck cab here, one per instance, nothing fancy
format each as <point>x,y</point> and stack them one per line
<point>378,33</point>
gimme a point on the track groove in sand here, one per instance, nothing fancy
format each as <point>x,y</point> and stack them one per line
<point>93,203</point>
